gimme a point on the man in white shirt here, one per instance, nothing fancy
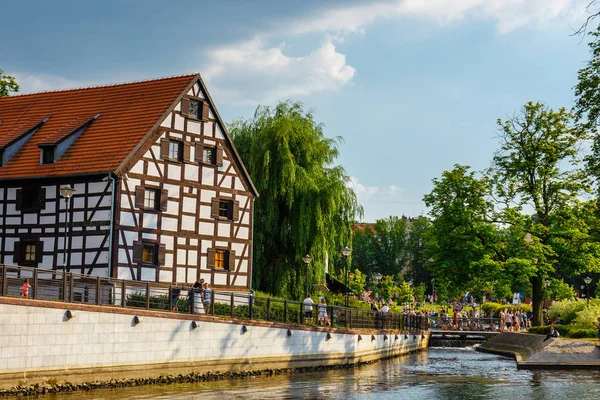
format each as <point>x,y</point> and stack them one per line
<point>308,307</point>
<point>384,310</point>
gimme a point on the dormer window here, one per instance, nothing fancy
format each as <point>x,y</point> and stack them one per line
<point>194,110</point>
<point>48,154</point>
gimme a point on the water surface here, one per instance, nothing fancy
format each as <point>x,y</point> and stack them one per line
<point>439,373</point>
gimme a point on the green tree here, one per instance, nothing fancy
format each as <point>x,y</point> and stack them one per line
<point>387,287</point>
<point>357,282</point>
<point>537,168</point>
<point>7,84</point>
<point>389,244</point>
<point>363,250</point>
<point>417,251</point>
<point>305,204</point>
<point>464,246</point>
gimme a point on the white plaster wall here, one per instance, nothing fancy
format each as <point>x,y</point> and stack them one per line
<point>36,338</point>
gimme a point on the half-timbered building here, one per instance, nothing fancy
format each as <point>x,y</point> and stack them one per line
<point>131,181</point>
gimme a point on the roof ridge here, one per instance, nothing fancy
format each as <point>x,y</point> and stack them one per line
<point>103,86</point>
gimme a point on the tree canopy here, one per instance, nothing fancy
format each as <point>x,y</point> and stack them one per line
<point>8,84</point>
<point>305,204</point>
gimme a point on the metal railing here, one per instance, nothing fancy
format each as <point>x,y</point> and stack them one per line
<point>464,324</point>
<point>71,287</point>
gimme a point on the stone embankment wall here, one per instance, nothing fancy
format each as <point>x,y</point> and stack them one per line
<point>537,351</point>
<point>40,343</point>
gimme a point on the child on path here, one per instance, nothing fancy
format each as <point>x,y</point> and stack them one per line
<point>322,312</point>
<point>25,288</point>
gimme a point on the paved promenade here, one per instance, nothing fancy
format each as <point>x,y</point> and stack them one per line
<point>534,351</point>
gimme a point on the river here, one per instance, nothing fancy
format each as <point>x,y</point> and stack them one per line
<point>438,373</point>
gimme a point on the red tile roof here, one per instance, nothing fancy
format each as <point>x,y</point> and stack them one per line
<point>127,114</point>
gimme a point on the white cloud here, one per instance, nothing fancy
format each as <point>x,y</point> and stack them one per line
<point>507,14</point>
<point>258,71</point>
<point>254,72</point>
<point>367,193</point>
<point>38,83</point>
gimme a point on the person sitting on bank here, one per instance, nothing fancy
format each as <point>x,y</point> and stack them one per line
<point>308,307</point>
<point>553,333</point>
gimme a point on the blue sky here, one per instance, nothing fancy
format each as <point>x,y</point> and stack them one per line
<point>412,86</point>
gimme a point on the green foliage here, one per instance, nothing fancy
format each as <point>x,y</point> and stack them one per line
<point>497,307</point>
<point>161,302</point>
<point>389,244</point>
<point>566,310</point>
<point>565,331</point>
<point>8,84</point>
<point>417,251</point>
<point>419,291</point>
<point>357,283</point>
<point>387,286</point>
<point>559,290</point>
<point>363,250</point>
<point>305,203</point>
<point>405,293</point>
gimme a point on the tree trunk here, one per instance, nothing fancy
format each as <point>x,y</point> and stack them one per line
<point>537,298</point>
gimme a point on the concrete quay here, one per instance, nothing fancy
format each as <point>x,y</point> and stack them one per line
<point>536,352</point>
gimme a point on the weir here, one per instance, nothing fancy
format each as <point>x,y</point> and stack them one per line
<point>439,338</point>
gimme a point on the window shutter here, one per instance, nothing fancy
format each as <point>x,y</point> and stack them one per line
<point>39,251</point>
<point>139,197</point>
<point>137,252</point>
<point>231,260</point>
<point>17,253</point>
<point>41,200</point>
<point>214,209</point>
<point>160,257</point>
<point>164,199</point>
<point>205,109</point>
<point>211,258</point>
<point>199,152</point>
<point>235,215</point>
<point>186,152</point>
<point>19,204</point>
<point>219,160</point>
<point>185,107</point>
<point>164,148</point>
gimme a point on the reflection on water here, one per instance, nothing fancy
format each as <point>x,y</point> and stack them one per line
<point>439,373</point>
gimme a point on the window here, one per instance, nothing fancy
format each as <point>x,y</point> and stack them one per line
<point>208,155</point>
<point>175,150</point>
<point>48,155</point>
<point>28,252</point>
<point>149,253</point>
<point>221,259</point>
<point>31,199</point>
<point>225,209</point>
<point>151,199</point>
<point>194,110</point>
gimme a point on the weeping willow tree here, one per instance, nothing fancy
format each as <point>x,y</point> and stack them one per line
<point>305,205</point>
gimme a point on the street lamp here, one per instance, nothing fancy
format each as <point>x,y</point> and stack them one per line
<point>587,281</point>
<point>307,259</point>
<point>346,252</point>
<point>67,192</point>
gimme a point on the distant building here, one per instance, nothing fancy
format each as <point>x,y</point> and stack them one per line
<point>160,192</point>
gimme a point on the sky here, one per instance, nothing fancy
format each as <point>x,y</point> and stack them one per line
<point>412,87</point>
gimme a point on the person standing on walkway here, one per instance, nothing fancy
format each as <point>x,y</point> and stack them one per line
<point>207,292</point>
<point>308,308</point>
<point>25,288</point>
<point>322,312</point>
<point>384,310</point>
<point>598,327</point>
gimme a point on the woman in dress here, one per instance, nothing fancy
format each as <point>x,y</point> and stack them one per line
<point>322,312</point>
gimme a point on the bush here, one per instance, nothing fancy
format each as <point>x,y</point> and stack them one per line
<point>566,310</point>
<point>161,302</point>
<point>496,307</point>
<point>565,331</point>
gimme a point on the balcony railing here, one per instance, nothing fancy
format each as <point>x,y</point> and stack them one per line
<point>68,287</point>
